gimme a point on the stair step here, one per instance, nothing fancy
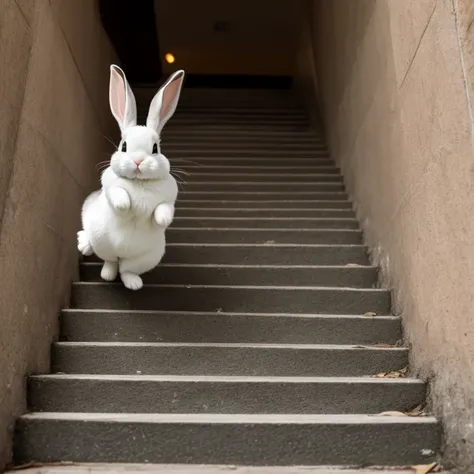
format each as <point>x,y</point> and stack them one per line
<point>240,144</point>
<point>264,299</point>
<point>279,360</point>
<point>265,152</point>
<point>225,160</point>
<point>263,195</point>
<point>224,439</point>
<point>137,468</point>
<point>225,395</point>
<point>268,135</point>
<point>174,326</point>
<point>266,222</point>
<point>275,178</point>
<point>276,172</point>
<point>263,254</point>
<point>263,275</point>
<point>267,205</point>
<point>252,235</point>
<point>221,212</point>
<point>264,186</point>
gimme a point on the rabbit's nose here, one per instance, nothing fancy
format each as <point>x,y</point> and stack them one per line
<point>137,161</point>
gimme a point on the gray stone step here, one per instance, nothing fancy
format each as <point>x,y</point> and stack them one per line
<point>135,358</point>
<point>211,394</point>
<point>198,171</point>
<point>128,468</point>
<point>174,326</point>
<point>267,222</point>
<point>237,145</point>
<point>263,299</point>
<point>196,176</point>
<point>263,186</point>
<point>251,235</point>
<point>224,439</point>
<point>262,275</point>
<point>263,195</point>
<point>267,205</point>
<point>225,160</point>
<point>269,152</point>
<point>263,254</point>
<point>276,140</point>
<point>249,211</point>
<point>203,212</point>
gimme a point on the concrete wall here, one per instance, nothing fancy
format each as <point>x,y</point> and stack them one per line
<point>54,60</point>
<point>396,82</point>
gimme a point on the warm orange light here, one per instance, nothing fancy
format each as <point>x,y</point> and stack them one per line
<point>169,58</point>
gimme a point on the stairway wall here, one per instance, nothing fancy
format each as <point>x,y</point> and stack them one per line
<point>395,80</point>
<point>54,71</point>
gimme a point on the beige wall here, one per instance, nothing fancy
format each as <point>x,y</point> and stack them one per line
<point>396,79</point>
<point>54,60</point>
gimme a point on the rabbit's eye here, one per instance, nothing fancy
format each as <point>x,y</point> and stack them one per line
<point>155,149</point>
<point>124,146</point>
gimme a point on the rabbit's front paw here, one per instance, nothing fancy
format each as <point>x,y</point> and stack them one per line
<point>119,199</point>
<point>83,244</point>
<point>164,214</point>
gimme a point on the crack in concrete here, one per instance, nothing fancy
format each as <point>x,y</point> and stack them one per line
<point>418,45</point>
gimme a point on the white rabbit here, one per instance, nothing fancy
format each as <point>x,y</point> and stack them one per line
<point>124,223</point>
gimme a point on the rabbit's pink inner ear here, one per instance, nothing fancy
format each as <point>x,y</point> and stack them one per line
<point>117,95</point>
<point>170,95</point>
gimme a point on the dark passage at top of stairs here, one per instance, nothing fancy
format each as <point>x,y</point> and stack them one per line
<point>257,340</point>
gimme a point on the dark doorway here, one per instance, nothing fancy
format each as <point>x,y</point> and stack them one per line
<point>131,27</point>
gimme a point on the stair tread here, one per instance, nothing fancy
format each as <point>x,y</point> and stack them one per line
<point>188,418</point>
<point>233,379</point>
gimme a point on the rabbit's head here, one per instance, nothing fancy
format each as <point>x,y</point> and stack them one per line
<point>138,155</point>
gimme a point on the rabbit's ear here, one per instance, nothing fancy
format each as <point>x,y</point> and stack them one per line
<point>164,103</point>
<point>121,98</point>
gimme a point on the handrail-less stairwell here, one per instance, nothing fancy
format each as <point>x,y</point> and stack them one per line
<point>258,339</point>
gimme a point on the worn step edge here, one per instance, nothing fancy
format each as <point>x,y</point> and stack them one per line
<point>193,326</point>
<point>134,468</point>
<point>221,394</point>
<point>276,439</point>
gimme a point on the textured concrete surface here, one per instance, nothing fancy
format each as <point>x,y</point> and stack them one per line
<point>239,395</point>
<point>264,253</point>
<point>354,277</point>
<point>46,171</point>
<point>134,358</point>
<point>169,326</point>
<point>249,235</point>
<point>276,439</point>
<point>396,82</point>
<point>71,468</point>
<point>263,299</point>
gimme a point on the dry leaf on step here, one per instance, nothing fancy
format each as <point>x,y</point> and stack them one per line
<point>370,313</point>
<point>416,411</point>
<point>392,413</point>
<point>353,265</point>
<point>386,346</point>
<point>426,468</point>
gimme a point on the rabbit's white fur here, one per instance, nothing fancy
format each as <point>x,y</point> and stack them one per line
<point>124,223</point>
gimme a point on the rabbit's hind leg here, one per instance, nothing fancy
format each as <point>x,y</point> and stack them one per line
<point>132,268</point>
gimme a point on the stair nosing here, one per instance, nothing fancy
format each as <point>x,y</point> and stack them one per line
<point>232,314</point>
<point>232,379</point>
<point>242,287</point>
<point>190,419</point>
<point>234,345</point>
<point>224,265</point>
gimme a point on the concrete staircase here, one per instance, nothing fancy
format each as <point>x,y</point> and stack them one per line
<point>256,342</point>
